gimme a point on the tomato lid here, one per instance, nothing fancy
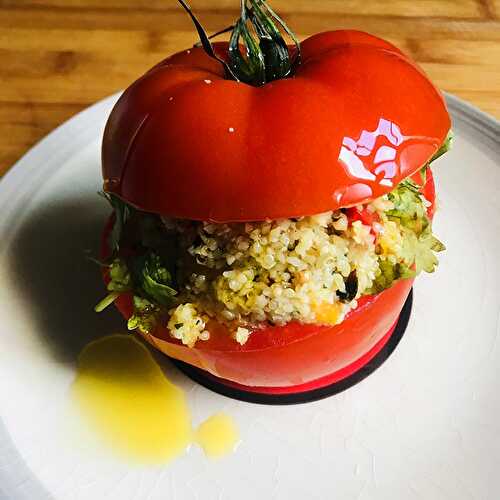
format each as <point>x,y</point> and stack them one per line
<point>355,119</point>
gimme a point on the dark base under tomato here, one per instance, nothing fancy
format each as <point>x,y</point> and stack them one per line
<point>317,389</point>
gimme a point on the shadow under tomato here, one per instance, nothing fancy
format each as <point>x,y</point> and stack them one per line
<point>49,265</point>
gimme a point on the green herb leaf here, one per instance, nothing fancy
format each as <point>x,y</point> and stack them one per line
<point>151,233</point>
<point>425,258</point>
<point>120,280</point>
<point>409,209</point>
<point>146,315</point>
<point>123,211</point>
<point>153,279</point>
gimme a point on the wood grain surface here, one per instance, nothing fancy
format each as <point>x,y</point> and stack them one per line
<point>59,56</point>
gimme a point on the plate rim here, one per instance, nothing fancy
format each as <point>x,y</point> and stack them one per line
<point>474,116</point>
<point>14,472</point>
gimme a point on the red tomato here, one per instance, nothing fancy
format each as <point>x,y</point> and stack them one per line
<point>356,117</point>
<point>288,355</point>
<point>428,189</point>
<point>364,215</point>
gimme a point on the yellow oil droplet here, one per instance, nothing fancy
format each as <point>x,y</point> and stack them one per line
<point>128,402</point>
<point>218,435</point>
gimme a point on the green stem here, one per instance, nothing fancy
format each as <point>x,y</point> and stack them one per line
<point>205,41</point>
<point>106,301</point>
<point>216,34</point>
<point>258,52</point>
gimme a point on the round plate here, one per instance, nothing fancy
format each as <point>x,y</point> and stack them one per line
<point>424,425</point>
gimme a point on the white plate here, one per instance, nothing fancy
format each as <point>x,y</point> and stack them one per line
<point>426,425</point>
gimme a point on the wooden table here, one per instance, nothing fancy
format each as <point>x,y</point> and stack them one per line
<point>59,56</point>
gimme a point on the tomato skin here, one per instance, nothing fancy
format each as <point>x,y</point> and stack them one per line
<point>428,189</point>
<point>364,216</point>
<point>292,354</point>
<point>356,118</point>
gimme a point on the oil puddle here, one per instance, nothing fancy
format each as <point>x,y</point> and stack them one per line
<point>217,435</point>
<point>127,401</point>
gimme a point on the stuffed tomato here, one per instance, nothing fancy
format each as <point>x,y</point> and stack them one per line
<point>271,209</point>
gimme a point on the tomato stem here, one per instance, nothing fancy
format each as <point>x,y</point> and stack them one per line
<point>205,40</point>
<point>258,52</point>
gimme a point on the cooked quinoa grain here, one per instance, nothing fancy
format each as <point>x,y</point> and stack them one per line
<point>187,324</point>
<point>275,272</point>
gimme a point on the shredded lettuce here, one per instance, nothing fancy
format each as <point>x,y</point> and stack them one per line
<point>388,274</point>
<point>419,244</point>
<point>409,209</point>
<point>144,274</point>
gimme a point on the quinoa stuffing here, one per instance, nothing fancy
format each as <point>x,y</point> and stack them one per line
<point>183,274</point>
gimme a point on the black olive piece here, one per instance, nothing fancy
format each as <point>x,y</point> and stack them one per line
<point>351,288</point>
